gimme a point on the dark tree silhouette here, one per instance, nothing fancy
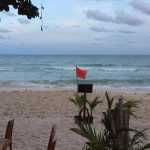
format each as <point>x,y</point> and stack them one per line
<point>24,7</point>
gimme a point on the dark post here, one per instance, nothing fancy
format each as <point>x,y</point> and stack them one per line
<point>85,88</point>
<point>84,109</point>
<point>121,117</point>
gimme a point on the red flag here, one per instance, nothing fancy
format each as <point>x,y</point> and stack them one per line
<point>81,73</point>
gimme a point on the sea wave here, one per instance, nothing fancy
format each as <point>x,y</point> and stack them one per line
<point>6,83</point>
<point>5,69</point>
<point>97,65</point>
<point>96,81</point>
<point>64,83</point>
<point>59,68</point>
<point>118,69</point>
<point>89,68</point>
<point>40,81</point>
<point>62,67</point>
<point>117,65</point>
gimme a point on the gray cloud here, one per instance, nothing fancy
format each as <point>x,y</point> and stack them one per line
<point>5,31</point>
<point>23,21</point>
<point>97,29</point>
<point>126,31</point>
<point>119,18</point>
<point>141,6</point>
<point>2,37</point>
<point>98,15</point>
<point>96,43</point>
<point>98,39</point>
<point>124,18</point>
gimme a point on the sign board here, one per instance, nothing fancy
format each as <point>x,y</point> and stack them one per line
<point>85,88</point>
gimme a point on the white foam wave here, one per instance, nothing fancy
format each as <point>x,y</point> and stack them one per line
<point>4,69</point>
<point>63,67</point>
<point>118,69</point>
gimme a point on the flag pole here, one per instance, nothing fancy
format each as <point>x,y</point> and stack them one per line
<point>77,81</point>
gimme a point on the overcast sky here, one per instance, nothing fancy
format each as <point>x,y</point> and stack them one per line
<point>79,27</point>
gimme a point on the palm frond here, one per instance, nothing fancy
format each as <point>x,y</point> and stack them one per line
<point>109,100</point>
<point>77,100</point>
<point>138,137</point>
<point>94,103</point>
<point>131,106</point>
<point>95,141</point>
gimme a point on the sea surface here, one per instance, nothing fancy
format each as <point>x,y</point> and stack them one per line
<point>118,71</point>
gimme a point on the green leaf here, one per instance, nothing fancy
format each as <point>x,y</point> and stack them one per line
<point>109,100</point>
<point>78,100</point>
<point>95,141</point>
<point>94,103</point>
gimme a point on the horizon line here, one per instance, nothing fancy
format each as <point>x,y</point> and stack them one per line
<point>6,54</point>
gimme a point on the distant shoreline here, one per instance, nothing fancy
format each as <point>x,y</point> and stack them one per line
<point>96,88</point>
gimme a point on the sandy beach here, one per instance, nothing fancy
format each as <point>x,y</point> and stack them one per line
<point>36,111</point>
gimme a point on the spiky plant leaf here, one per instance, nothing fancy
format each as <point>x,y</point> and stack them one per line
<point>132,106</point>
<point>52,140</point>
<point>78,100</point>
<point>92,104</point>
<point>95,141</point>
<point>109,100</point>
<point>138,139</point>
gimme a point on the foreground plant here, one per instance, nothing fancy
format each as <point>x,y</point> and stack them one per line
<point>52,139</point>
<point>93,104</point>
<point>85,108</point>
<point>24,7</point>
<point>116,134</point>
<point>95,140</point>
<point>78,101</point>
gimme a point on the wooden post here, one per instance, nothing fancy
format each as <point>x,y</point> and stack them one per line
<point>84,109</point>
<point>121,117</point>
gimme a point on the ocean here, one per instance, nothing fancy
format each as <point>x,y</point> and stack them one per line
<point>118,71</point>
